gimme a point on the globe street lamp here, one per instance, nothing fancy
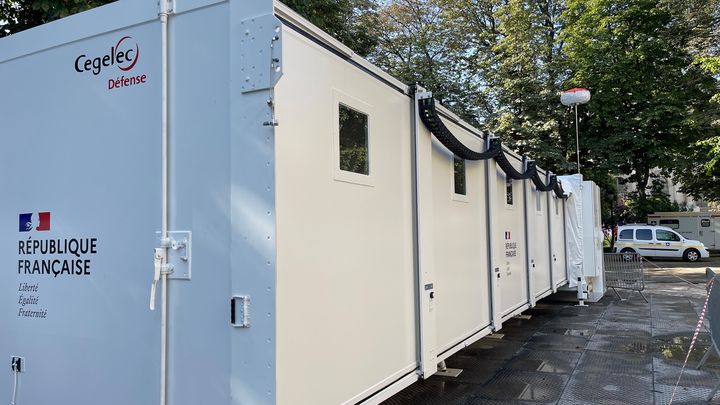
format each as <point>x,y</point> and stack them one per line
<point>573,98</point>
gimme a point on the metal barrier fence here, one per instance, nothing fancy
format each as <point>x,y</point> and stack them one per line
<point>625,270</point>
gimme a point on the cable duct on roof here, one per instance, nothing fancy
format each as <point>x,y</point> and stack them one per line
<point>430,117</point>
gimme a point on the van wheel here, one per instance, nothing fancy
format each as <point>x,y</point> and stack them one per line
<point>691,255</point>
<point>627,254</point>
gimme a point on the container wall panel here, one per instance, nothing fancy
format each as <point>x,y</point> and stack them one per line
<point>508,233</point>
<point>460,250</point>
<point>537,215</point>
<point>345,281</point>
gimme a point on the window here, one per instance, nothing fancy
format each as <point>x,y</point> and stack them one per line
<point>353,141</point>
<point>508,191</point>
<point>538,201</point>
<point>670,223</point>
<point>459,176</point>
<point>643,234</point>
<point>626,234</point>
<point>666,236</point>
<point>705,223</point>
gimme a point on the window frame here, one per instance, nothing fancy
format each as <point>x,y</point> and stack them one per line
<point>704,221</point>
<point>340,98</point>
<point>670,223</point>
<point>454,195</point>
<point>507,180</point>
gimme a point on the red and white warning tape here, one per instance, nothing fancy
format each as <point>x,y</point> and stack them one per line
<point>698,327</point>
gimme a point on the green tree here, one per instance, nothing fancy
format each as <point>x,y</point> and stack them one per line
<point>19,15</point>
<point>350,21</point>
<point>418,42</point>
<point>650,101</point>
<point>525,81</point>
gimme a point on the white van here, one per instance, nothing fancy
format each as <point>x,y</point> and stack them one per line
<point>658,241</point>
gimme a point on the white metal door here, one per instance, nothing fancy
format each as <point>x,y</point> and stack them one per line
<point>666,244</point>
<point>706,233</point>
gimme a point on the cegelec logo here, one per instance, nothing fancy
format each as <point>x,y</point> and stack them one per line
<point>42,219</point>
<point>124,55</point>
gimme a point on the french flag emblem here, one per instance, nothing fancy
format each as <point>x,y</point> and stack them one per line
<point>507,235</point>
<point>41,219</point>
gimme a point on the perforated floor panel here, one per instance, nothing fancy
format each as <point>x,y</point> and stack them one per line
<point>525,386</point>
<point>609,389</point>
<point>612,353</point>
<point>621,344</point>
<point>615,363</point>
<point>545,361</point>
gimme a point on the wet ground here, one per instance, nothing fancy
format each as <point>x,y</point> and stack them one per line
<point>612,352</point>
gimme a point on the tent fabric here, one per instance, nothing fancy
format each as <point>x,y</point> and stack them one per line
<point>572,185</point>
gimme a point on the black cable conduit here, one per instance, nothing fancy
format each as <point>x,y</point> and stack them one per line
<point>431,119</point>
<point>554,185</point>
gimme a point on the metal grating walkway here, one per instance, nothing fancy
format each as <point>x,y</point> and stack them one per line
<point>611,353</point>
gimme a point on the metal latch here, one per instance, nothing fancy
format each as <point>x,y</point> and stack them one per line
<point>171,257</point>
<point>179,256</point>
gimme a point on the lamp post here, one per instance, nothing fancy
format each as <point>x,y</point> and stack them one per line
<point>573,98</point>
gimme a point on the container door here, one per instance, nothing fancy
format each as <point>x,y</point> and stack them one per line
<point>537,212</point>
<point>509,230</point>
<point>706,233</point>
<point>80,173</point>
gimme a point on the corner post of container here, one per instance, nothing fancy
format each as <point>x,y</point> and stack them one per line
<point>528,267</point>
<point>493,272</point>
<point>423,240</point>
<point>551,259</point>
<point>256,66</point>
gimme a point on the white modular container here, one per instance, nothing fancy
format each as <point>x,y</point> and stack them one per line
<point>218,149</point>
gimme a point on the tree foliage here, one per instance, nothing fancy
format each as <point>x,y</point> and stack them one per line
<point>350,21</point>
<point>19,15</point>
<point>418,43</point>
<point>525,79</point>
<point>650,101</point>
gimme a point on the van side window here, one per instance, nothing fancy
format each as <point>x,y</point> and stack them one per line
<point>626,234</point>
<point>670,223</point>
<point>666,236</point>
<point>643,234</point>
